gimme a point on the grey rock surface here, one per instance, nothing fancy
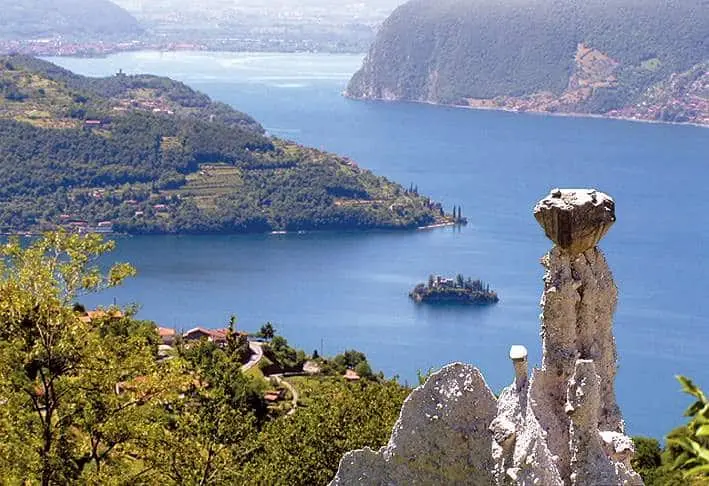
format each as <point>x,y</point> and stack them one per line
<point>575,219</point>
<point>441,437</point>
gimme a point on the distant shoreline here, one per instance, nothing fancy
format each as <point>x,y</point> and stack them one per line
<point>101,52</point>
<point>32,234</point>
<point>528,112</point>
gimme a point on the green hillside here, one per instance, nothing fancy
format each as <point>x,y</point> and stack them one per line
<point>77,19</point>
<point>143,154</point>
<point>452,51</point>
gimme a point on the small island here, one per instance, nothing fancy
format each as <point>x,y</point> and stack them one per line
<point>441,290</point>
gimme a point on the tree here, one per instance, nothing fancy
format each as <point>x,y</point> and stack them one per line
<point>237,344</point>
<point>267,331</point>
<point>208,435</point>
<point>363,370</point>
<point>649,463</point>
<point>694,458</point>
<point>306,448</point>
<point>53,364</point>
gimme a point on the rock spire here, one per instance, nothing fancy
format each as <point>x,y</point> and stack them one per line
<point>561,426</point>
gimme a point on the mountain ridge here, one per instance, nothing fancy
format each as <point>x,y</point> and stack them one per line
<point>537,55</point>
<point>40,19</point>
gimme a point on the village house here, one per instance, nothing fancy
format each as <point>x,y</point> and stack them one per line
<point>216,336</point>
<point>98,314</point>
<point>104,227</point>
<point>167,335</point>
<point>444,282</point>
<point>351,375</point>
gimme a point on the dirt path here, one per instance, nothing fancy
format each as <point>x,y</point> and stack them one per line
<point>291,388</point>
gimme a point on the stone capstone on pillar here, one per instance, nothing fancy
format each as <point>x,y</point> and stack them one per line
<point>575,219</point>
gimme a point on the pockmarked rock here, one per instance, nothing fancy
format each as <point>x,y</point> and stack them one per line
<point>441,437</point>
<point>576,219</point>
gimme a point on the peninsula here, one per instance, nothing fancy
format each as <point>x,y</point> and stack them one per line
<point>441,290</point>
<point>148,155</point>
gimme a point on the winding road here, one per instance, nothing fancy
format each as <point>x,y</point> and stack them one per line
<point>256,355</point>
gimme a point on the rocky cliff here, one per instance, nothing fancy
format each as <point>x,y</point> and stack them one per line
<point>555,56</point>
<point>559,427</point>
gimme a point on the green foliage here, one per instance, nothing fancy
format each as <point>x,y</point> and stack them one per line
<point>86,401</point>
<point>284,357</point>
<point>450,50</point>
<point>685,459</point>
<point>305,448</point>
<point>267,331</point>
<point>694,458</point>
<point>76,395</point>
<point>649,463</point>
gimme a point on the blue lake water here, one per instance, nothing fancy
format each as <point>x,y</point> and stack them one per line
<point>349,290</point>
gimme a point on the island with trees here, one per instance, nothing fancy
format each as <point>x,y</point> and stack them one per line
<point>442,290</point>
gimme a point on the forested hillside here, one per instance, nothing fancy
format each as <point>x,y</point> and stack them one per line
<point>541,55</point>
<point>78,19</point>
<point>143,154</point>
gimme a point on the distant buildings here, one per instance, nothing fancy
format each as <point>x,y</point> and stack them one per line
<point>98,314</point>
<point>167,335</point>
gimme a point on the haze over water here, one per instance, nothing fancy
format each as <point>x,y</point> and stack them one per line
<point>349,290</point>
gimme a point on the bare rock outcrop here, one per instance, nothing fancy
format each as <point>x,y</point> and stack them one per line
<point>441,436</point>
<point>560,427</point>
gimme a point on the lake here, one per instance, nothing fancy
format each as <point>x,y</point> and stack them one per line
<point>337,291</point>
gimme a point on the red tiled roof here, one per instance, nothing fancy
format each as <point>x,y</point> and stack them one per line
<point>166,332</point>
<point>218,335</point>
